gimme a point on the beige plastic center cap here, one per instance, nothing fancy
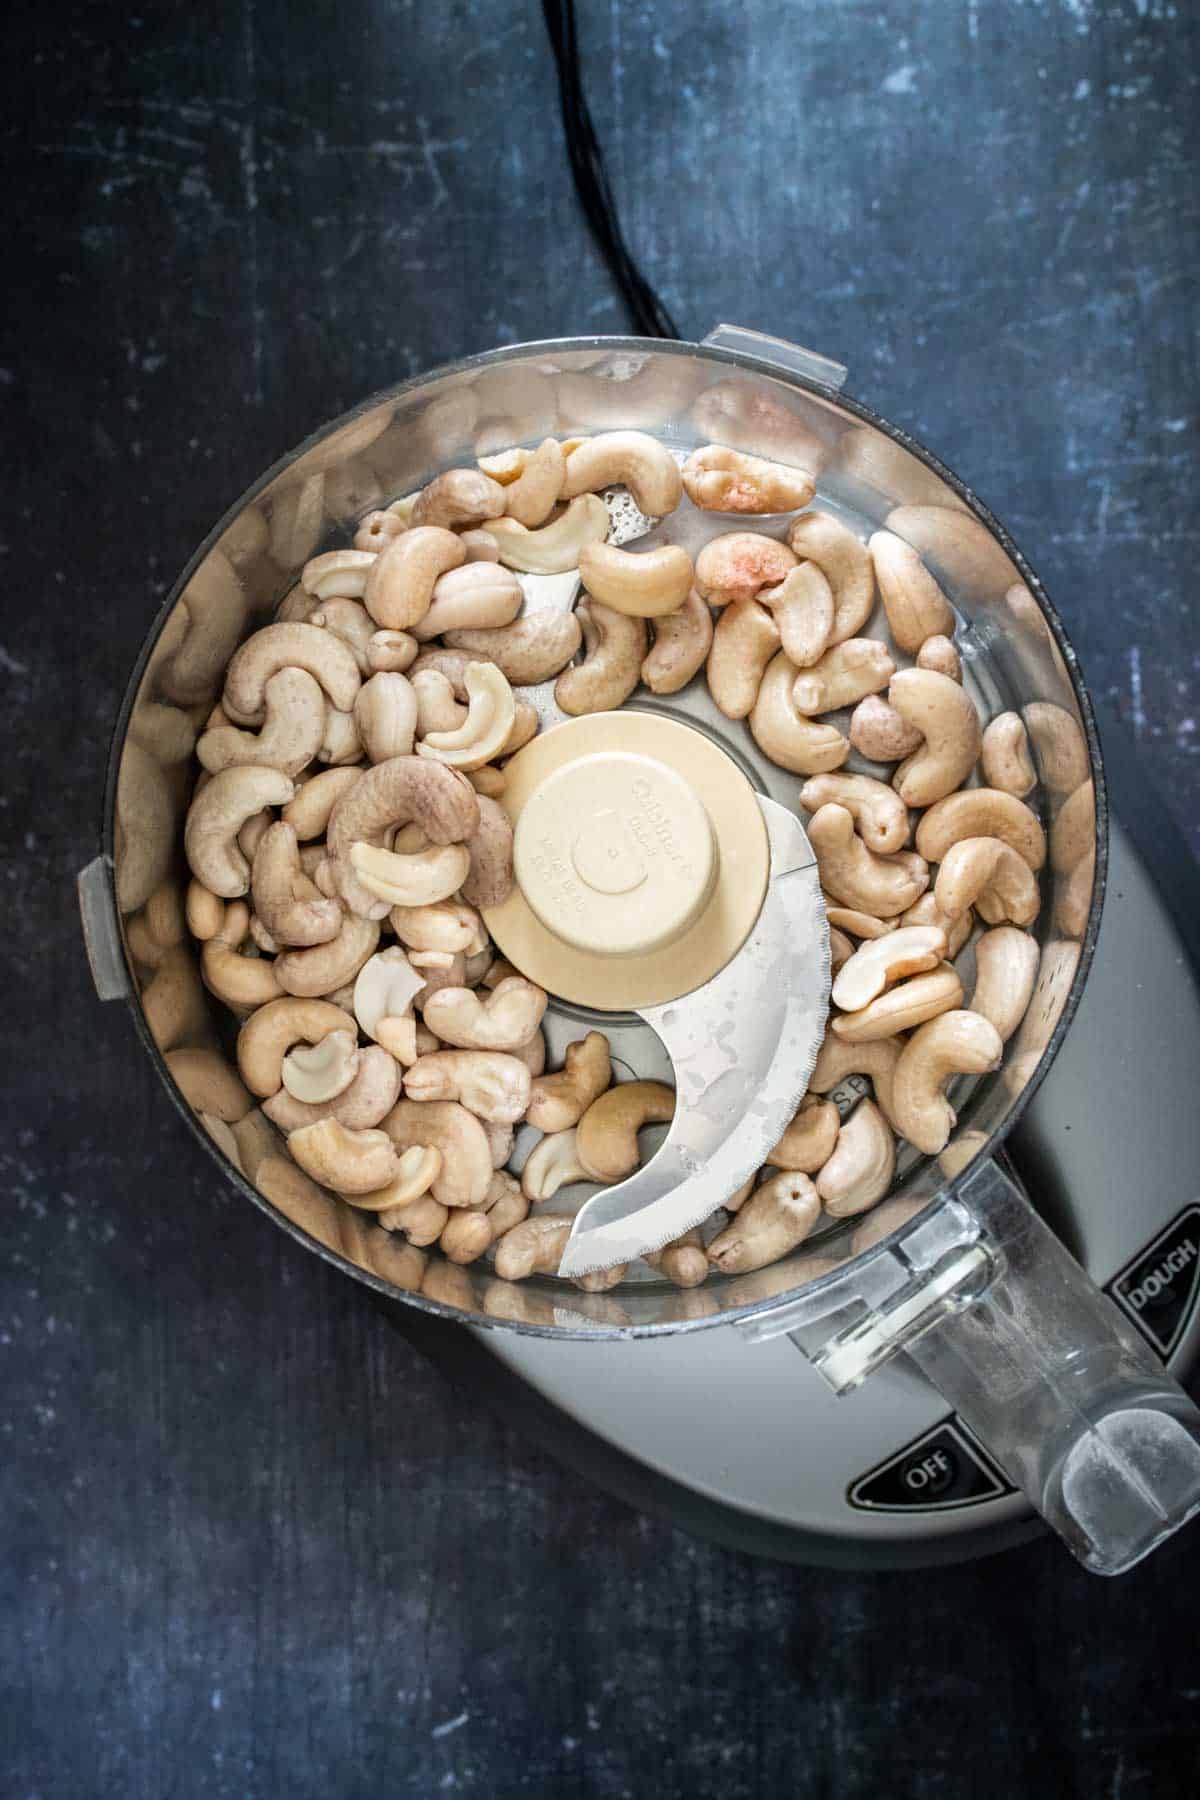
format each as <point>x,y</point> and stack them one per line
<point>615,853</point>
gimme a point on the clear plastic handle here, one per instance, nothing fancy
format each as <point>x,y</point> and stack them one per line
<point>1035,1359</point>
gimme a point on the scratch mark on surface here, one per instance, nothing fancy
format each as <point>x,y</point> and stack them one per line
<point>449,1725</point>
<point>901,81</point>
<point>1136,700</point>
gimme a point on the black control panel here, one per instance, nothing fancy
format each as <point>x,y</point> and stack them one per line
<point>1158,1289</point>
<point>944,1469</point>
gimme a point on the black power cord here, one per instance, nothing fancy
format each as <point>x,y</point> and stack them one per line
<point>647,313</point>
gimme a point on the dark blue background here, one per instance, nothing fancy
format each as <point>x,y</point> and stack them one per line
<point>255,1546</point>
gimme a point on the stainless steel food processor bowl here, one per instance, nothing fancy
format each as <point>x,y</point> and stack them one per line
<point>947,1252</point>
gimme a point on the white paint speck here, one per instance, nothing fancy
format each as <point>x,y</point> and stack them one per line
<point>449,1725</point>
<point>1168,425</point>
<point>10,665</point>
<point>1137,704</point>
<point>214,1700</point>
<point>901,81</point>
<point>1082,89</point>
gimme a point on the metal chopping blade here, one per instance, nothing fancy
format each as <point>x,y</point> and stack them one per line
<point>743,1048</point>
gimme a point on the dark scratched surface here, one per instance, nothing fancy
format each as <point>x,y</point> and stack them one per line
<point>254,1544</point>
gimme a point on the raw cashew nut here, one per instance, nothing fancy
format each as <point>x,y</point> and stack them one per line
<point>530,497</point>
<point>326,658</point>
<point>208,1084</point>
<point>808,1142</point>
<point>418,1168</point>
<point>858,924</point>
<point>377,530</point>
<point>326,967</point>
<point>992,877</point>
<point>530,650</point>
<point>945,715</point>
<point>880,816</point>
<point>459,497</point>
<point>508,1017</point>
<point>683,1261</point>
<point>878,885</point>
<point>861,1168</point>
<point>385,714</point>
<point>466,1172</point>
<point>243,982</point>
<point>308,812</point>
<point>489,879</point>
<point>1062,752</point>
<point>555,548</point>
<point>449,925</point>
<point>289,738</point>
<point>500,1141</point>
<point>875,1059</point>
<point>878,732</point>
<point>802,607</point>
<point>534,1247</point>
<point>400,585</point>
<point>915,605</point>
<point>738,564</point>
<point>981,812</point>
<point>391,652</point>
<point>437,707</point>
<point>556,1102</point>
<point>475,594</point>
<point>1073,833</point>
<point>717,479</point>
<point>213,608</point>
<point>939,654</point>
<point>607,1132</point>
<point>491,713</point>
<point>841,949</point>
<point>646,584</point>
<point>465,1236</point>
<point>844,561</point>
<point>341,742</point>
<point>643,463</point>
<point>876,966</point>
<point>844,676</point>
<point>1005,755</point>
<point>551,1164</point>
<point>744,640</point>
<point>958,1043</point>
<point>406,788</point>
<point>384,991</point>
<point>493,1086</point>
<point>422,1219</point>
<point>615,645</point>
<point>1006,969</point>
<point>777,1216</point>
<point>928,912</point>
<point>505,1205</point>
<point>268,1035</point>
<point>317,1072</point>
<point>338,574</point>
<point>165,733</point>
<point>291,907</point>
<point>349,1162</point>
<point>900,1008</point>
<point>369,1097</point>
<point>217,814</point>
<point>682,640</point>
<point>785,735</point>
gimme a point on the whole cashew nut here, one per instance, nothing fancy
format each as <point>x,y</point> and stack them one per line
<point>607,1132</point>
<point>533,1247</point>
<point>317,1072</point>
<point>643,463</point>
<point>1073,833</point>
<point>466,1173</point>
<point>876,966</point>
<point>843,676</point>
<point>878,732</point>
<point>1062,752</point>
<point>377,530</point>
<point>421,1219</point>
<point>473,595</point>
<point>682,640</point>
<point>289,738</point>
<point>555,548</point>
<point>876,1059</point>
<point>645,584</point>
<point>208,1084</point>
<point>559,1101</point>
<point>926,911</point>
<point>341,743</point>
<point>841,949</point>
<point>369,1097</point>
<point>508,1017</point>
<point>900,1008</point>
<point>1005,755</point>
<point>350,621</point>
<point>349,1162</point>
<point>915,605</point>
<point>802,607</point>
<point>992,877</point>
<point>777,1216</point>
<point>808,1142</point>
<point>615,645</point>
<point>308,811</point>
<point>385,714</point>
<point>530,498</point>
<point>326,967</point>
<point>440,801</point>
<point>391,652</point>
<point>400,586</point>
<point>744,640</point>
<point>957,1043</point>
<point>878,885</point>
<point>981,812</point>
<point>1006,970</point>
<point>290,906</point>
<point>791,740</point>
<point>243,982</point>
<point>739,564</point>
<point>268,1035</point>
<point>551,1164</point>
<point>858,924</point>
<point>861,1168</point>
<point>844,561</point>
<point>493,1086</point>
<point>530,650</point>
<point>459,497</point>
<point>325,657</point>
<point>939,654</point>
<point>717,479</point>
<point>945,715</point>
<point>880,816</point>
<point>217,814</point>
<point>338,574</point>
<point>449,925</point>
<point>489,878</point>
<point>491,713</point>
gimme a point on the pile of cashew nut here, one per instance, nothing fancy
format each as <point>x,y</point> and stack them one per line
<point>344,836</point>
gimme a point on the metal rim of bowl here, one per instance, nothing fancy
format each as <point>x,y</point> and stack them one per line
<point>864,414</point>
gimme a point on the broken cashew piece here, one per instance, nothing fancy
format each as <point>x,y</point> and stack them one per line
<point>844,675</point>
<point>317,1072</point>
<point>615,645</point>
<point>556,1102</point>
<point>880,815</point>
<point>945,715</point>
<point>449,925</point>
<point>992,877</point>
<point>851,872</point>
<point>489,1083</point>
<point>915,605</point>
<point>876,966</point>
<point>1006,969</point>
<point>808,1142</point>
<point>338,574</point>
<point>777,1216</point>
<point>417,1168</point>
<point>739,564</point>
<point>786,736</point>
<point>384,991</point>
<point>682,640</point>
<point>718,479</point>
<point>217,814</point>
<point>552,549</point>
<point>507,1019</point>
<point>400,586</point>
<point>802,607</point>
<point>957,1043</point>
<point>926,911</point>
<point>844,561</point>
<point>642,463</point>
<point>551,1164</point>
<point>981,812</point>
<point>491,713</point>
<point>372,1094</point>
<point>645,584</point>
<point>608,1130</point>
<point>861,1168</point>
<point>910,1003</point>
<point>744,640</point>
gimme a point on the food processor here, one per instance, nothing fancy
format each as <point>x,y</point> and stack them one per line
<point>958,1365</point>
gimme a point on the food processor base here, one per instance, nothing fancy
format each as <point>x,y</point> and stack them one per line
<point>744,1443</point>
